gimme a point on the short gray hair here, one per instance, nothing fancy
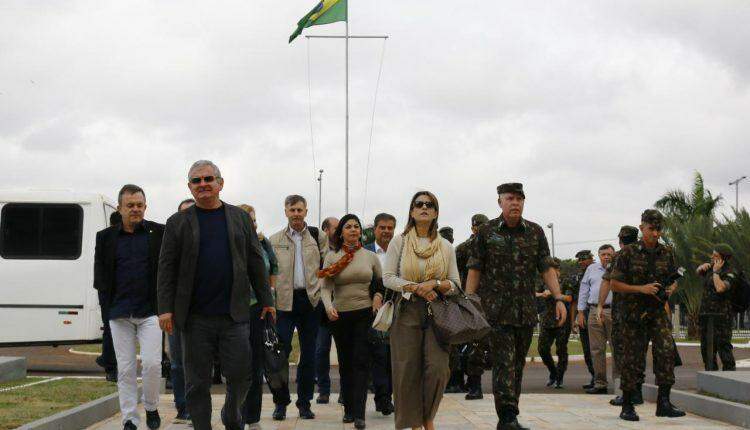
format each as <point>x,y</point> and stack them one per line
<point>294,199</point>
<point>202,163</point>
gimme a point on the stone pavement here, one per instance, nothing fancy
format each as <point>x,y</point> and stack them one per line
<point>539,411</point>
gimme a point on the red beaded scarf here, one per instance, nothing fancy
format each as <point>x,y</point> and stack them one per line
<point>337,267</point>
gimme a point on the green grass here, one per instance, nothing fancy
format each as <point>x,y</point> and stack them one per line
<point>24,405</point>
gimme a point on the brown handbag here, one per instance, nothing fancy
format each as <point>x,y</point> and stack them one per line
<point>458,318</point>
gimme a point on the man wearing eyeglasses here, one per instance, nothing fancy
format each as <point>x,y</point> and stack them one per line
<point>211,272</point>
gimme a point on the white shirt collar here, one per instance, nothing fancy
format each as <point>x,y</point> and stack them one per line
<point>378,249</point>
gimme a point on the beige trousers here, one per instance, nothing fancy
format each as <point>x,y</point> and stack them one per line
<point>600,332</point>
<point>419,364</point>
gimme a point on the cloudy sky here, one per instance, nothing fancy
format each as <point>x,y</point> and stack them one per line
<point>597,107</point>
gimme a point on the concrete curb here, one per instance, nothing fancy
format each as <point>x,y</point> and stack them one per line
<point>12,368</point>
<point>84,415</point>
<point>705,406</point>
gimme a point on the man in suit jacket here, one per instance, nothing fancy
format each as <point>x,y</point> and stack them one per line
<point>211,272</point>
<point>126,261</point>
<point>385,224</point>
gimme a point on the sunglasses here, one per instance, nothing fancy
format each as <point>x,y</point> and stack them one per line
<point>420,204</point>
<point>206,179</point>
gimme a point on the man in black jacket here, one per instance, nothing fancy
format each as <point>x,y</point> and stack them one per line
<point>211,272</point>
<point>126,262</point>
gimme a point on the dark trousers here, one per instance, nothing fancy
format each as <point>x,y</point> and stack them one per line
<point>380,351</point>
<point>107,359</point>
<point>306,319</point>
<point>323,359</point>
<point>353,349</point>
<point>509,346</point>
<point>583,335</point>
<point>636,335</point>
<point>202,338</point>
<point>253,403</point>
<point>559,336</point>
<point>177,371</point>
<point>722,343</point>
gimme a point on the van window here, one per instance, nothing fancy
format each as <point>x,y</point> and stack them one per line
<point>41,231</point>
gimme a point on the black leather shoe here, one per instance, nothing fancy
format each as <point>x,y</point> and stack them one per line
<point>322,399</point>
<point>111,376</point>
<point>340,401</point>
<point>665,408</point>
<point>385,407</point>
<point>168,384</point>
<point>475,393</point>
<point>359,423</point>
<point>279,413</point>
<point>306,413</point>
<point>617,401</point>
<point>182,416</point>
<point>129,426</point>
<point>551,381</point>
<point>588,386</point>
<point>153,420</point>
<point>594,390</point>
<point>451,389</point>
<point>347,419</point>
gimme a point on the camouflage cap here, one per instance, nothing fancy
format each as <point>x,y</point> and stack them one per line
<point>724,249</point>
<point>628,231</point>
<point>552,262</point>
<point>479,219</point>
<point>584,254</point>
<point>511,187</point>
<point>653,217</point>
<point>445,230</point>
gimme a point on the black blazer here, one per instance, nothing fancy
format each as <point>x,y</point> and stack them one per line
<point>179,257</point>
<point>104,261</point>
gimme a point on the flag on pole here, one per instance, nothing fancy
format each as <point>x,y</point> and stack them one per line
<point>325,12</point>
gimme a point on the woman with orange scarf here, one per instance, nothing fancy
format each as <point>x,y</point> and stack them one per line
<point>351,279</point>
<point>420,265</point>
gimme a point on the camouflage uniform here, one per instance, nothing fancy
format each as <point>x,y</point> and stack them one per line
<point>642,317</point>
<point>550,333</point>
<point>717,306</point>
<point>510,261</point>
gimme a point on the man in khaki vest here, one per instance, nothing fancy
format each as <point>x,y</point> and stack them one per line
<point>300,250</point>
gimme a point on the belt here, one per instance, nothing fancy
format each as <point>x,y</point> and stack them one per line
<point>603,307</point>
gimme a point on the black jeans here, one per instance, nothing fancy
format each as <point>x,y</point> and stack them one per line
<point>583,335</point>
<point>107,359</point>
<point>306,319</point>
<point>380,351</point>
<point>353,349</point>
<point>203,337</point>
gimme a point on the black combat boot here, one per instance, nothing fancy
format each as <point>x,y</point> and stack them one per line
<point>628,411</point>
<point>508,421</point>
<point>664,408</point>
<point>638,395</point>
<point>559,380</point>
<point>474,384</point>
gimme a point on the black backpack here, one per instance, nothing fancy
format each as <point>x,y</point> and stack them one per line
<point>739,295</point>
<point>315,233</point>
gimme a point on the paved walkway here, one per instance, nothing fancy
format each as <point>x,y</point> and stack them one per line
<point>539,411</point>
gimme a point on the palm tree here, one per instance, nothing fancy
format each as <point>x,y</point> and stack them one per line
<point>690,220</point>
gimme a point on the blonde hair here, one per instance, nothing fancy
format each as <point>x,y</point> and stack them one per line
<point>247,208</point>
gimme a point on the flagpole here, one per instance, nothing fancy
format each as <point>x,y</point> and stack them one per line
<point>346,174</point>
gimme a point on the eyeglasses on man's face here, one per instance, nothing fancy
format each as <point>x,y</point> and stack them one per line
<point>206,179</point>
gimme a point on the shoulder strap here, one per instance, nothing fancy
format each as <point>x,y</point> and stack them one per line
<point>314,232</point>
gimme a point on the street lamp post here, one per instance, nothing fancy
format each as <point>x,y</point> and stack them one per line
<point>320,193</point>
<point>551,228</point>
<point>736,184</point>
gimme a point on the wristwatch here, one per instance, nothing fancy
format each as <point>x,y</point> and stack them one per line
<point>437,284</point>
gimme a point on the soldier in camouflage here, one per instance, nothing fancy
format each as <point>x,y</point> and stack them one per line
<point>550,332</point>
<point>505,261</point>
<point>472,355</point>
<point>585,258</point>
<point>718,277</point>
<point>639,273</point>
<point>627,235</point>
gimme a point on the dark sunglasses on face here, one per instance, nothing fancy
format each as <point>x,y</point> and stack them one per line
<point>421,204</point>
<point>206,179</point>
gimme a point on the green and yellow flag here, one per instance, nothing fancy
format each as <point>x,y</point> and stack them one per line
<point>325,12</point>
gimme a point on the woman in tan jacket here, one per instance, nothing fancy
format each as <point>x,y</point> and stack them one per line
<point>420,265</point>
<point>351,288</point>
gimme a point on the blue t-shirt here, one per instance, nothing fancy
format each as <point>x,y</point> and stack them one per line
<point>212,292</point>
<point>132,296</point>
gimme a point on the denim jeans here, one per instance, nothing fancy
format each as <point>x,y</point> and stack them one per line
<point>306,319</point>
<point>323,360</point>
<point>177,372</point>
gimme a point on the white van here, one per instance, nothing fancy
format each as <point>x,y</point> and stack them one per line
<point>47,243</point>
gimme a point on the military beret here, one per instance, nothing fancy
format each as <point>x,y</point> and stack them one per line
<point>552,262</point>
<point>724,249</point>
<point>511,187</point>
<point>653,217</point>
<point>628,231</point>
<point>584,254</point>
<point>478,219</point>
